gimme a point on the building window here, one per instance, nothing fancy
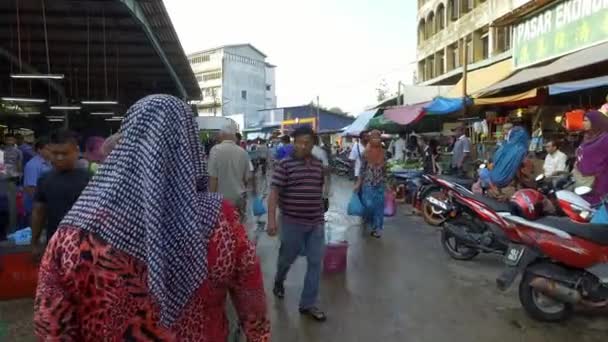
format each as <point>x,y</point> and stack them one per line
<point>212,76</point>
<point>453,9</point>
<point>421,31</point>
<point>440,63</point>
<point>503,39</point>
<point>467,5</point>
<point>268,87</point>
<point>485,45</point>
<point>470,51</point>
<point>440,19</point>
<point>211,92</point>
<point>430,24</point>
<point>199,77</point>
<point>244,94</point>
<point>200,59</point>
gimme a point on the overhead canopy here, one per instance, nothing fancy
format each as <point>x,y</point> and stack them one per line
<point>507,99</point>
<point>118,50</point>
<point>360,123</point>
<point>568,87</point>
<point>480,79</point>
<point>584,58</point>
<point>406,114</point>
<point>384,124</point>
<point>443,106</point>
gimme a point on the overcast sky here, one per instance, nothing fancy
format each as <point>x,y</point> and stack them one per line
<point>339,50</point>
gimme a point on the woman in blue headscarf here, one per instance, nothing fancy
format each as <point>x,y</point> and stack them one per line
<point>509,157</point>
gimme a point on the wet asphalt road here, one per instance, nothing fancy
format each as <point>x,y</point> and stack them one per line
<point>398,289</point>
<point>404,288</point>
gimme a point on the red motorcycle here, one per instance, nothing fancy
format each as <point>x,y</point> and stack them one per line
<point>472,223</point>
<point>563,264</point>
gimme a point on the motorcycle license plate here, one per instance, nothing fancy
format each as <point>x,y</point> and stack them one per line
<point>437,203</point>
<point>514,254</point>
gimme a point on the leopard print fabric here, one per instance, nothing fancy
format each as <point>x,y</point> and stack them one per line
<point>89,291</point>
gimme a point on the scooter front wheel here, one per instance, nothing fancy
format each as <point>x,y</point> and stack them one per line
<point>456,249</point>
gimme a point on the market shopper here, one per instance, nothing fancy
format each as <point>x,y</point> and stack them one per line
<point>230,169</point>
<point>399,147</point>
<point>429,156</point>
<point>38,165</point>
<point>26,149</point>
<point>357,151</point>
<point>556,161</point>
<point>372,182</point>
<point>321,154</point>
<point>145,254</point>
<point>93,155</point>
<point>13,157</point>
<point>461,157</point>
<point>58,189</point>
<point>592,159</point>
<point>297,188</point>
<point>285,148</point>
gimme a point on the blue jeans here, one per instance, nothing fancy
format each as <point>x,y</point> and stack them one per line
<point>312,238</point>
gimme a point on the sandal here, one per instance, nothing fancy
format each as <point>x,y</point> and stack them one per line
<point>279,290</point>
<point>314,313</point>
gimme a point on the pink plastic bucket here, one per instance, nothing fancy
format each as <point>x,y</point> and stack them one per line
<point>335,257</point>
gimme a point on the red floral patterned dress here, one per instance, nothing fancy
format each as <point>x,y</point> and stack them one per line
<point>89,291</point>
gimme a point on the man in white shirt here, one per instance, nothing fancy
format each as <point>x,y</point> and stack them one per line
<point>230,170</point>
<point>357,151</point>
<point>321,154</point>
<point>556,160</point>
<point>399,146</point>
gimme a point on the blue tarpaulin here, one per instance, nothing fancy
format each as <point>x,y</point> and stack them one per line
<point>443,105</point>
<point>360,123</point>
<point>568,87</point>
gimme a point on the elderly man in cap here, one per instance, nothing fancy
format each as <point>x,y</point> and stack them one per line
<point>229,169</point>
<point>461,157</point>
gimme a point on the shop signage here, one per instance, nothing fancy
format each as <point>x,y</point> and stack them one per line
<point>561,28</point>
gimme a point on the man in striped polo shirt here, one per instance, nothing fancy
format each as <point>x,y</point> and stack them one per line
<point>297,188</point>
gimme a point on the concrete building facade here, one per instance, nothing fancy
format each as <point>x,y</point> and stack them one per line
<point>446,26</point>
<point>234,79</point>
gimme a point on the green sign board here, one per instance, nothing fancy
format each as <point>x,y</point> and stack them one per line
<point>561,28</point>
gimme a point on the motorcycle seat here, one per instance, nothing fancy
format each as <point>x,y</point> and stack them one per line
<point>597,233</point>
<point>465,182</point>
<point>491,203</point>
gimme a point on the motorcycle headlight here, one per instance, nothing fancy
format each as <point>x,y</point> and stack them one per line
<point>585,215</point>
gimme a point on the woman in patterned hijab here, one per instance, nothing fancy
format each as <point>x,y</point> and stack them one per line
<point>146,253</point>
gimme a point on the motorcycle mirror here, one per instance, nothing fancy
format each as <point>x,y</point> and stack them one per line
<point>582,190</point>
<point>540,177</point>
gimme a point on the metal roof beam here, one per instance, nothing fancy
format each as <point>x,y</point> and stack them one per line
<point>138,12</point>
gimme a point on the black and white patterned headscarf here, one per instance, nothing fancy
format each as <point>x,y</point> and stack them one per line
<point>149,200</point>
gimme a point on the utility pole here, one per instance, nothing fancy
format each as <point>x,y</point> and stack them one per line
<point>399,102</point>
<point>318,115</point>
<point>465,67</point>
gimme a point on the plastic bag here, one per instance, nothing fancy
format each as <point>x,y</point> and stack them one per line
<point>389,203</point>
<point>600,216</point>
<point>21,237</point>
<point>258,207</point>
<point>355,207</point>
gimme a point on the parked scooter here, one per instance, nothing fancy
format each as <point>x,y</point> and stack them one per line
<point>473,223</point>
<point>566,202</point>
<point>563,264</point>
